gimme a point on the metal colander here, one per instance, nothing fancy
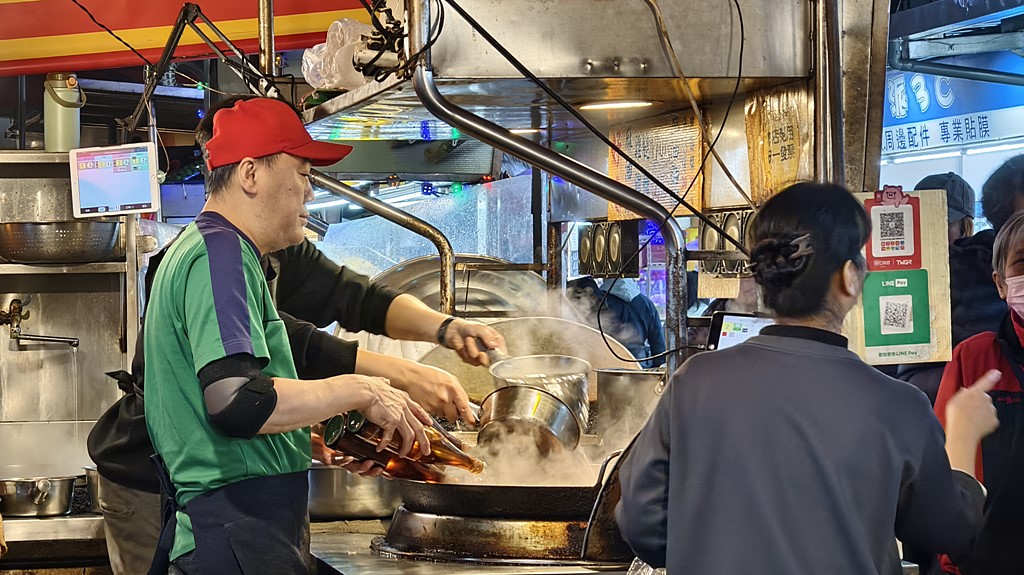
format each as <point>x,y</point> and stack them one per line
<point>58,242</point>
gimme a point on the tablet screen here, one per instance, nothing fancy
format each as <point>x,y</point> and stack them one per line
<point>114,180</point>
<point>734,329</point>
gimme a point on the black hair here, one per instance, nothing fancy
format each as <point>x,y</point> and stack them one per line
<point>1000,192</point>
<point>799,239</point>
<point>218,178</point>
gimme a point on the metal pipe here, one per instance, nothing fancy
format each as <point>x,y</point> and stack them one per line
<point>21,113</point>
<point>898,60</point>
<point>407,221</point>
<point>72,341</point>
<point>835,91</point>
<point>554,163</point>
<point>268,65</point>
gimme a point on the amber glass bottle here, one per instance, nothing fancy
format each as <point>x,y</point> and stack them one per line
<point>443,451</point>
<point>353,435</point>
<point>337,436</point>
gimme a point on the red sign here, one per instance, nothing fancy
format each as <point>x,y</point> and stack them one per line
<point>895,242</point>
<point>39,36</point>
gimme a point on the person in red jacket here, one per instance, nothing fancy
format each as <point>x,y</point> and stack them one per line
<point>1000,461</point>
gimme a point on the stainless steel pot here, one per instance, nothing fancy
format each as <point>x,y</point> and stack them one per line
<point>563,376</point>
<point>520,409</point>
<point>36,496</point>
<point>627,392</point>
<point>337,494</point>
<point>92,478</point>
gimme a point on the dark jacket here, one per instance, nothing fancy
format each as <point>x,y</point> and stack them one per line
<point>788,454</point>
<point>975,304</point>
<point>1000,462</point>
<point>635,323</point>
<point>305,284</point>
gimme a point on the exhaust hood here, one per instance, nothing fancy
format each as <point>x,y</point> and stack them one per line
<point>584,56</point>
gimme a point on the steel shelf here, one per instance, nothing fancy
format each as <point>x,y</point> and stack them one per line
<point>100,268</point>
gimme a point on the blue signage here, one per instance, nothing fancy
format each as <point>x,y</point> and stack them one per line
<point>912,97</point>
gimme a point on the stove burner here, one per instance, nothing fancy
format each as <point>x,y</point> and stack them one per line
<point>484,541</point>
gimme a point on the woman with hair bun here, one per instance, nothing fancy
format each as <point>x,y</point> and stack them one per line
<point>787,453</point>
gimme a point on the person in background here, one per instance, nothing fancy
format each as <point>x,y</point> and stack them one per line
<point>631,306</point>
<point>634,322</point>
<point>787,451</point>
<point>1001,463</point>
<point>975,305</point>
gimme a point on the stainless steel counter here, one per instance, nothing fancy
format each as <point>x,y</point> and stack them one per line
<point>78,527</point>
<point>350,554</point>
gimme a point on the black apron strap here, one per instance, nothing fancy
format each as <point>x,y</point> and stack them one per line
<point>168,509</point>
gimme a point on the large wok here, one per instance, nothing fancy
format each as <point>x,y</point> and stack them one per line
<point>540,503</point>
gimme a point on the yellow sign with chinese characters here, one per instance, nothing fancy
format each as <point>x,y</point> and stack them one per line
<point>671,148</point>
<point>780,139</point>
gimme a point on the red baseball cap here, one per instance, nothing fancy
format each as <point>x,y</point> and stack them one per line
<point>262,127</point>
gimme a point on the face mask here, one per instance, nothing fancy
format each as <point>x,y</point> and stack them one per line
<point>1015,294</point>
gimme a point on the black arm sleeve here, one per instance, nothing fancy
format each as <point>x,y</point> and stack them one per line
<point>313,288</point>
<point>251,403</point>
<point>318,354</point>
<point>939,511</point>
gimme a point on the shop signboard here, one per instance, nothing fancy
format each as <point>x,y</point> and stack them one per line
<point>671,148</point>
<point>904,315</point>
<point>924,112</point>
<point>780,136</point>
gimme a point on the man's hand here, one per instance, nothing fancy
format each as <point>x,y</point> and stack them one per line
<point>970,413</point>
<point>970,417</point>
<point>438,391</point>
<point>394,411</point>
<point>462,337</point>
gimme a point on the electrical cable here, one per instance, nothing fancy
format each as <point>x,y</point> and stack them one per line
<point>677,68</point>
<point>590,126</point>
<point>725,118</point>
<point>111,32</point>
<point>200,85</point>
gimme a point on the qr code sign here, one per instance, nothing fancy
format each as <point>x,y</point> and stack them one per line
<point>897,314</point>
<point>893,231</point>
<point>891,225</point>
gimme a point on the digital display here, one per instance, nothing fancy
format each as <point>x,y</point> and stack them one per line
<point>114,180</point>
<point>738,329</point>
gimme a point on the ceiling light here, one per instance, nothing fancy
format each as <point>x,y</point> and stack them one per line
<point>1002,148</point>
<point>617,105</point>
<point>939,156</point>
<point>525,130</point>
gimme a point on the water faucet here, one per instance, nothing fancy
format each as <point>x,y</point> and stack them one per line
<point>16,313</point>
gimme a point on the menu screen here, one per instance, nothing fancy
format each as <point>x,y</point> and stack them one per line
<point>114,180</point>
<point>738,329</point>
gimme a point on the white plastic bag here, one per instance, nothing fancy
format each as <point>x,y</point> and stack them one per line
<point>640,568</point>
<point>329,65</point>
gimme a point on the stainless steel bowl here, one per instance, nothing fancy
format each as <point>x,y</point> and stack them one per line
<point>92,478</point>
<point>58,242</point>
<point>523,410</point>
<point>36,496</point>
<point>337,494</point>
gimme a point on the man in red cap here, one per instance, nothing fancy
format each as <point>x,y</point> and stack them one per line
<point>307,287</point>
<point>225,410</point>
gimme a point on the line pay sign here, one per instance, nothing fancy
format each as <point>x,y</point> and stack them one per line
<point>904,315</point>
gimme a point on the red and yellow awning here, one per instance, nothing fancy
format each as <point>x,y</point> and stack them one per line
<point>39,36</point>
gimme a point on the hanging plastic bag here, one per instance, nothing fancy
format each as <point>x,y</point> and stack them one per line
<point>329,65</point>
